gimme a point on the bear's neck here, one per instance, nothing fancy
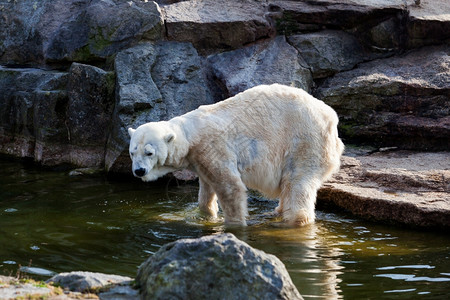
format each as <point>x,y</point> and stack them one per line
<point>176,156</point>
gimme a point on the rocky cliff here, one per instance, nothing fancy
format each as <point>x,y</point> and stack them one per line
<point>74,74</point>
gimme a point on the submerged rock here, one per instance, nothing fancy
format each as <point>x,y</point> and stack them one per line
<point>214,267</point>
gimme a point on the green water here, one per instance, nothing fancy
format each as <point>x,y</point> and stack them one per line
<point>53,222</point>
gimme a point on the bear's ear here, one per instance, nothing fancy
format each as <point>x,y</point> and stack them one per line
<point>169,137</point>
<point>131,131</point>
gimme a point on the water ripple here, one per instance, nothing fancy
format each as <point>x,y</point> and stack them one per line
<point>407,277</point>
<point>407,267</point>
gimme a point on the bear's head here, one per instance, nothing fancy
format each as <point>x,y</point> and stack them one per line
<point>149,148</point>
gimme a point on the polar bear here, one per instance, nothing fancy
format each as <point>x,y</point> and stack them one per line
<point>275,139</point>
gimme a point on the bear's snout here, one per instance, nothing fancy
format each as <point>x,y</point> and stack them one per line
<point>139,172</point>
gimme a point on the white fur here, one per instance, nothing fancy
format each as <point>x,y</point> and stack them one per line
<point>276,139</point>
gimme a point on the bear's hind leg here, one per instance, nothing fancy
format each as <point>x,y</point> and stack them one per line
<point>207,200</point>
<point>298,199</point>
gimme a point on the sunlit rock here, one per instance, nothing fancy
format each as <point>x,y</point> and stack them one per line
<point>87,281</point>
<point>428,23</point>
<point>214,267</point>
<point>402,187</point>
<point>210,24</point>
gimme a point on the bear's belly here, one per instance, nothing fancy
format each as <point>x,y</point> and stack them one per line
<point>265,179</point>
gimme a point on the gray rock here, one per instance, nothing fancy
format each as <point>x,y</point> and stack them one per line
<point>138,100</point>
<point>214,267</point>
<point>120,293</point>
<point>155,81</point>
<point>428,23</point>
<point>305,16</point>
<point>180,78</point>
<point>22,41</point>
<point>49,116</point>
<point>272,61</point>
<point>409,188</point>
<point>386,36</point>
<point>89,110</point>
<point>32,114</point>
<point>400,101</point>
<point>104,28</point>
<point>80,30</point>
<point>87,281</point>
<point>328,52</point>
<point>210,24</point>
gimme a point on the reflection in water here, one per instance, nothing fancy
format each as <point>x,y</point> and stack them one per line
<point>317,260</point>
<point>50,222</point>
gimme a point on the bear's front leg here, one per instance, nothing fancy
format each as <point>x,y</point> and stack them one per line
<point>228,186</point>
<point>232,196</point>
<point>207,200</point>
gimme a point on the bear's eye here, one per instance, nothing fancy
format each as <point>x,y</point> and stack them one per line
<point>149,154</point>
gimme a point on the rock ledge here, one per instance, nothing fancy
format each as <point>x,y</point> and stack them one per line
<point>410,188</point>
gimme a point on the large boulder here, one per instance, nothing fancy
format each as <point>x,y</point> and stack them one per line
<point>74,30</point>
<point>210,24</point>
<point>214,267</point>
<point>401,101</point>
<point>271,61</point>
<point>155,81</point>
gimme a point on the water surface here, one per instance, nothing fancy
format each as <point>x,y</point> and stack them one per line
<point>51,222</point>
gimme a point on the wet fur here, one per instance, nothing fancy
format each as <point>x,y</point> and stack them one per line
<point>276,139</point>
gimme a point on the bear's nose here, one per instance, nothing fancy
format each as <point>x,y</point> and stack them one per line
<point>139,172</point>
